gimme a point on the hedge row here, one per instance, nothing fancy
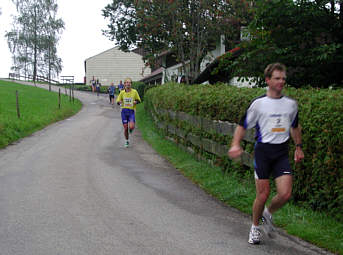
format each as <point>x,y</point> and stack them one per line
<point>141,87</point>
<point>318,181</point>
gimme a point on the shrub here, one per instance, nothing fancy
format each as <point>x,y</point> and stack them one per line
<point>141,88</point>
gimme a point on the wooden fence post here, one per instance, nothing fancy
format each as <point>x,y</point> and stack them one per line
<point>59,98</point>
<point>73,92</point>
<point>17,101</point>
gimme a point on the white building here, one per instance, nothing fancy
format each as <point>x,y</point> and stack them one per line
<point>177,70</point>
<point>114,65</point>
<point>171,70</point>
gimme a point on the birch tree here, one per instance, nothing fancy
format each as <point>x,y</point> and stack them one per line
<point>34,37</point>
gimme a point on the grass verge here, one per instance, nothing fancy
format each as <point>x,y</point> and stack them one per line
<point>314,227</point>
<point>38,108</point>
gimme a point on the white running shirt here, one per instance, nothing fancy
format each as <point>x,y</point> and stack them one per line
<point>272,118</point>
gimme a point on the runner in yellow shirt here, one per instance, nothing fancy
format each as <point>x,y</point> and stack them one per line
<point>128,98</point>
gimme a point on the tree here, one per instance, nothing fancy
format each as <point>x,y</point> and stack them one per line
<point>305,35</point>
<point>189,28</point>
<point>34,37</point>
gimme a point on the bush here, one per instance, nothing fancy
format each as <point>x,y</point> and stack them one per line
<point>141,88</point>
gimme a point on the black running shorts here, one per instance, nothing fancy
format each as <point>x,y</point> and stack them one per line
<point>271,159</point>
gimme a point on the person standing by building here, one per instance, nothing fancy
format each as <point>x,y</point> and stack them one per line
<point>93,82</point>
<point>98,86</point>
<point>275,117</point>
<point>111,90</point>
<point>128,99</point>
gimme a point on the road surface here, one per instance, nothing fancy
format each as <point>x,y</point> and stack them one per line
<point>73,189</point>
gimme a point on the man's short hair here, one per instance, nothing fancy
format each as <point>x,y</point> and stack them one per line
<point>128,79</point>
<point>272,67</point>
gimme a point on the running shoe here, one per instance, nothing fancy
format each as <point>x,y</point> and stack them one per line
<point>126,144</point>
<point>254,235</point>
<point>267,223</point>
<point>130,131</point>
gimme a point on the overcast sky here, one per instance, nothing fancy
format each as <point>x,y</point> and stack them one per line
<point>82,37</point>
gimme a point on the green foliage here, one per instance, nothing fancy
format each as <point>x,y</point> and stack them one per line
<point>304,35</point>
<point>82,87</point>
<point>321,118</point>
<point>210,101</point>
<point>38,108</point>
<point>318,182</point>
<point>141,88</point>
<point>189,29</point>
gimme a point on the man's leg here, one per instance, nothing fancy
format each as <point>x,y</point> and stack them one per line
<point>284,192</point>
<point>125,121</point>
<point>262,194</point>
<point>126,131</point>
<point>132,121</point>
<point>131,126</point>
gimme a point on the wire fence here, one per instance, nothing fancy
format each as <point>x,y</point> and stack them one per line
<point>71,98</point>
<point>39,78</point>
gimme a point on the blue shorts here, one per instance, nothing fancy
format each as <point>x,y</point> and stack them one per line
<point>127,115</point>
<point>271,159</point>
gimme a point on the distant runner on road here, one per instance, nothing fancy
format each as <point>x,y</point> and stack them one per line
<point>128,99</point>
<point>111,91</point>
<point>93,82</point>
<point>120,86</point>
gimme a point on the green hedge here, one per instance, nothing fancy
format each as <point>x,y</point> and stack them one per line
<point>318,181</point>
<point>141,88</point>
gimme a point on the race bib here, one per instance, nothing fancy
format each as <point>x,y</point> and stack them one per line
<point>278,124</point>
<point>128,102</point>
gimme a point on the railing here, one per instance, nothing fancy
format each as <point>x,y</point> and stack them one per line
<point>39,78</point>
<point>220,127</point>
<point>67,79</point>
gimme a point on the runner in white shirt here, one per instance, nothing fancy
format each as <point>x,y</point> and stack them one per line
<point>274,116</point>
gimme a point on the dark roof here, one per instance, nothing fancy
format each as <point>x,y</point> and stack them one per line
<point>206,75</point>
<point>154,75</point>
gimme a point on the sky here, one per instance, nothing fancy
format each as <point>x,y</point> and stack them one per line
<point>82,37</point>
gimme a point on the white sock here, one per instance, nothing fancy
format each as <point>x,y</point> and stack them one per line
<point>266,211</point>
<point>253,226</point>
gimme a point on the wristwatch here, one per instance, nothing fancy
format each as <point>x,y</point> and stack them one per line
<point>299,145</point>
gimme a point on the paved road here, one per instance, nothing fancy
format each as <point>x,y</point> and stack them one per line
<point>73,188</point>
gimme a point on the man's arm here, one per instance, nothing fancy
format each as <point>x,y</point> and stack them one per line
<point>138,99</point>
<point>236,150</point>
<point>296,136</point>
<point>119,99</point>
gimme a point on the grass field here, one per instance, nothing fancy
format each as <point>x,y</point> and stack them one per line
<point>314,227</point>
<point>38,108</point>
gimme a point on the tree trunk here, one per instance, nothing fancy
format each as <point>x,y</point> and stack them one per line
<point>35,47</point>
